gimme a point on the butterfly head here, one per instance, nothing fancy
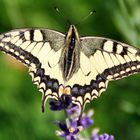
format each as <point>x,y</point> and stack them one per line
<point>72,33</point>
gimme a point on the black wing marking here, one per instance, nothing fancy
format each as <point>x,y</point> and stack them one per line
<point>39,50</point>
<point>103,60</point>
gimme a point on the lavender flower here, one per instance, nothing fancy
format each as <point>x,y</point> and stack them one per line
<point>75,122</point>
<point>86,120</point>
<point>69,130</point>
<point>96,136</point>
<point>63,103</point>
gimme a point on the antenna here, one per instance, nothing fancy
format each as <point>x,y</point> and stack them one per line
<point>86,17</point>
<point>68,22</point>
<point>57,10</point>
<point>60,13</point>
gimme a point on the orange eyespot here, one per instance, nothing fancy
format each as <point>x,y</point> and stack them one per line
<point>64,90</point>
<point>67,91</point>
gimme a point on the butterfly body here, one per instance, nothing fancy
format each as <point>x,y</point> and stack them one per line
<point>70,55</point>
<point>69,64</point>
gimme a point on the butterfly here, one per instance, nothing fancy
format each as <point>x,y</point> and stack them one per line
<point>68,64</point>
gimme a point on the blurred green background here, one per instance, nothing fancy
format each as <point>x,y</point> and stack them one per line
<point>117,112</point>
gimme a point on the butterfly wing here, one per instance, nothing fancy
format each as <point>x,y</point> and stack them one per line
<point>103,60</point>
<point>40,51</point>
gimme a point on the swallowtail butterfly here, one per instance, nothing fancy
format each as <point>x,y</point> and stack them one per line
<point>68,64</point>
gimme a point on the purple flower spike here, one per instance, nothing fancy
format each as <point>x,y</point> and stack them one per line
<point>70,138</point>
<point>75,122</point>
<point>69,129</point>
<point>63,103</point>
<point>56,105</point>
<point>96,136</point>
<point>63,126</point>
<point>106,137</point>
<point>74,112</point>
<point>86,121</point>
<point>72,124</point>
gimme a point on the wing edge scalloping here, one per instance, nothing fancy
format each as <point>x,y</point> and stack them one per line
<point>103,77</point>
<point>51,89</point>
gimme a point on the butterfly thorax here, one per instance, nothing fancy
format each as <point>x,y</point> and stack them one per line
<point>70,54</point>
